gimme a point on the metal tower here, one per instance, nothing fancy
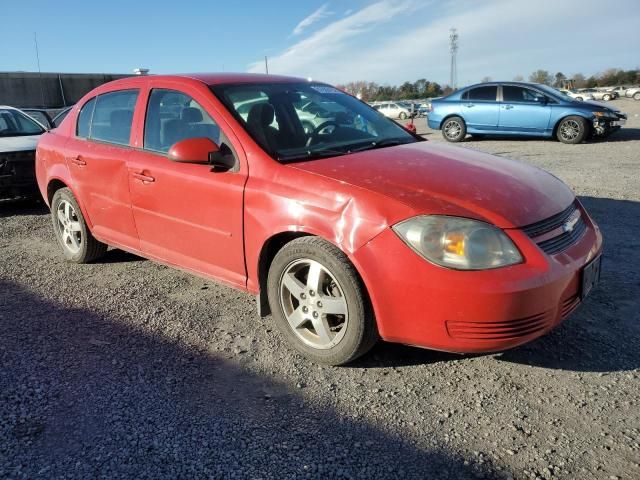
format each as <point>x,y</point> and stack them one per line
<point>453,48</point>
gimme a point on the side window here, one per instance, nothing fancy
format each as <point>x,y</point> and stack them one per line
<point>173,116</point>
<point>487,93</point>
<point>113,115</point>
<point>83,128</point>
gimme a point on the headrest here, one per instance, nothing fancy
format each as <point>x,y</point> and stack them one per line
<point>191,115</point>
<point>261,114</point>
<point>121,118</point>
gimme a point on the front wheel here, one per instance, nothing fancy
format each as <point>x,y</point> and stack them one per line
<point>454,129</point>
<point>319,303</point>
<point>606,98</point>
<point>403,115</point>
<point>572,130</point>
<point>579,99</point>
<point>73,235</point>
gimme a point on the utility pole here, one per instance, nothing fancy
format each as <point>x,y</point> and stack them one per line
<point>266,65</point>
<point>453,48</point>
<point>35,39</point>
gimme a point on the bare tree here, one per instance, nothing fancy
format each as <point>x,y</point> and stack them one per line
<point>485,79</point>
<point>518,78</point>
<point>540,76</point>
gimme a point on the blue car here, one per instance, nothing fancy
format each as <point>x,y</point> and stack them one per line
<point>518,108</point>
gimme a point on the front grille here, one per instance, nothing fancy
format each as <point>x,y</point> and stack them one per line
<point>562,241</point>
<point>13,163</point>
<point>564,238</point>
<point>512,329</point>
<point>551,223</point>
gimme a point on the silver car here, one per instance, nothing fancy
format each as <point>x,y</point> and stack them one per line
<point>597,94</point>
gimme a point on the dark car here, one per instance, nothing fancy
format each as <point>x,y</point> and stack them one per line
<point>524,109</point>
<point>19,134</point>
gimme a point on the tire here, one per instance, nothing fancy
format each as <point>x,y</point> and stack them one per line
<point>454,129</point>
<point>71,231</point>
<point>580,99</point>
<point>572,129</point>
<point>606,97</point>
<point>636,96</point>
<point>294,300</point>
<point>402,116</point>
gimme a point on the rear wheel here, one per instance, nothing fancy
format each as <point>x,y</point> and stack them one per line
<point>319,303</point>
<point>606,97</point>
<point>636,96</point>
<point>572,129</point>
<point>73,235</point>
<point>579,99</point>
<point>454,129</point>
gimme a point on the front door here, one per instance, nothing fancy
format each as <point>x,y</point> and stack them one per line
<point>97,159</point>
<point>524,110</point>
<point>186,214</point>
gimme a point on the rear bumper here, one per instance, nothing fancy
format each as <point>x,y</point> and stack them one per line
<point>421,304</point>
<point>17,174</point>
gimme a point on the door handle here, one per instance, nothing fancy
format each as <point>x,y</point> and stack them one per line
<point>507,107</point>
<point>144,178</point>
<point>469,105</point>
<point>78,160</point>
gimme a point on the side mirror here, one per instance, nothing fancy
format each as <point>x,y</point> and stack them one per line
<point>193,150</point>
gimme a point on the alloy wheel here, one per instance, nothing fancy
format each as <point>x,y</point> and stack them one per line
<point>569,130</point>
<point>69,227</point>
<point>452,129</point>
<point>313,303</point>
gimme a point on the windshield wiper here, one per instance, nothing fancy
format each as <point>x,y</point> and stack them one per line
<point>312,154</point>
<point>388,142</point>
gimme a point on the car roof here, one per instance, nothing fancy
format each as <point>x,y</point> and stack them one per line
<point>212,78</point>
<point>505,82</point>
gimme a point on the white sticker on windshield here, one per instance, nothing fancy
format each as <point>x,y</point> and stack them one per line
<point>326,89</point>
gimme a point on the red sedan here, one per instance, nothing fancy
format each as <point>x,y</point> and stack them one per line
<point>347,227</point>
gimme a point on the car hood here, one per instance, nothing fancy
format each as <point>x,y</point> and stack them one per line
<point>18,144</point>
<point>441,179</point>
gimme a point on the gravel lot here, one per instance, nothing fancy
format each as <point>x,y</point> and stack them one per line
<point>128,369</point>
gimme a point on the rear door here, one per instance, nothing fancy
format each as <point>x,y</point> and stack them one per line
<point>97,157</point>
<point>524,110</point>
<point>480,109</point>
<point>187,214</point>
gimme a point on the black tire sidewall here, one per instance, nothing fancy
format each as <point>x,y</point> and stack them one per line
<point>402,116</point>
<point>354,342</point>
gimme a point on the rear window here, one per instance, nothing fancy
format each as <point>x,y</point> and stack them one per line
<point>487,93</point>
<point>113,116</point>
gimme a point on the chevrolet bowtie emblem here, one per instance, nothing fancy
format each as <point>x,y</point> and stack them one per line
<point>570,224</point>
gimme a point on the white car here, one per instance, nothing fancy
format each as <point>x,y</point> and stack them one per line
<point>19,134</point>
<point>632,92</point>
<point>393,110</point>
<point>596,94</point>
<point>575,95</point>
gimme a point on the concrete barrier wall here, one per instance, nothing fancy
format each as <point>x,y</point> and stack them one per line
<point>48,90</point>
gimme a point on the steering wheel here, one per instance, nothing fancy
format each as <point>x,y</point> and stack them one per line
<point>317,132</point>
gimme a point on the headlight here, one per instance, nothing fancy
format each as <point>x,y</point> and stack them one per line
<point>458,243</point>
<point>603,114</point>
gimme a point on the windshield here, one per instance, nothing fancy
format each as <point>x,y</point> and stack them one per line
<point>301,121</point>
<point>16,124</point>
<point>552,92</point>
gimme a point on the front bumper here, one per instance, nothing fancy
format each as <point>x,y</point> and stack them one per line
<point>17,174</point>
<point>425,305</point>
